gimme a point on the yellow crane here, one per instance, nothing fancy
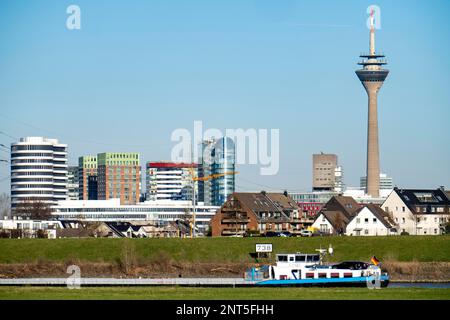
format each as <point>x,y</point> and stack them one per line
<point>205,178</point>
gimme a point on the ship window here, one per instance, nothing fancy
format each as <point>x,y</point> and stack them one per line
<point>300,258</point>
<point>282,258</point>
<point>291,258</point>
<point>312,258</point>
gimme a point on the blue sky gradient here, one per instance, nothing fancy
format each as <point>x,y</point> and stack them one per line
<point>137,70</point>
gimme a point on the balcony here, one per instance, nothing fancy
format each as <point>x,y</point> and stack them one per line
<point>234,220</point>
<point>228,232</point>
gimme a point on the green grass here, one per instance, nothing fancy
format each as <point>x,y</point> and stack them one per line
<point>401,248</point>
<point>183,293</point>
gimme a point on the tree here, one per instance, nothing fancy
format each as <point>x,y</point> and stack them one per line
<point>34,209</point>
<point>339,224</point>
<point>5,205</point>
<point>447,228</point>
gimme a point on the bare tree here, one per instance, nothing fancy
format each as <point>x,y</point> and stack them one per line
<point>33,209</point>
<point>5,206</point>
<point>339,224</point>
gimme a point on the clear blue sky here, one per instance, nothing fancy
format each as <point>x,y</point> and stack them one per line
<point>137,70</point>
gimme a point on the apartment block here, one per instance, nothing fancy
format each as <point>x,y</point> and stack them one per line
<point>119,176</point>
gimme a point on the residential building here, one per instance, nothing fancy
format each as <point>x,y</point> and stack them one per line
<point>28,228</point>
<point>419,211</point>
<point>73,181</point>
<point>170,180</point>
<point>335,215</point>
<point>87,167</point>
<point>217,163</point>
<point>257,212</point>
<point>330,222</point>
<point>119,176</point>
<point>371,220</point>
<point>38,170</point>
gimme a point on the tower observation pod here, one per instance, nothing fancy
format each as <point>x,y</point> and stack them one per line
<point>372,76</point>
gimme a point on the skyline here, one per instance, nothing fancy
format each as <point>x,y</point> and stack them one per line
<point>136,63</point>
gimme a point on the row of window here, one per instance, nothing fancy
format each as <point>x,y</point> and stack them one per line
<point>38,147</point>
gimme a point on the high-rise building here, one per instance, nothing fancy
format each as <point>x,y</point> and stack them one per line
<point>73,182</point>
<point>87,167</point>
<point>372,76</point>
<point>324,168</point>
<point>38,170</point>
<point>92,188</point>
<point>217,163</point>
<point>339,185</point>
<point>170,180</point>
<point>119,176</point>
<point>386,183</point>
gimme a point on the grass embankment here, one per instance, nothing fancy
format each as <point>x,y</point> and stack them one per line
<point>226,250</point>
<point>406,258</point>
<point>182,293</point>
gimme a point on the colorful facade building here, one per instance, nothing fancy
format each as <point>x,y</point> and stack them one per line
<point>87,167</point>
<point>119,176</point>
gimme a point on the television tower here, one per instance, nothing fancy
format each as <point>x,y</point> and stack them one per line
<point>372,76</point>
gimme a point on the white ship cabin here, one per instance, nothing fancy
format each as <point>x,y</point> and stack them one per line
<point>298,259</point>
<point>309,266</point>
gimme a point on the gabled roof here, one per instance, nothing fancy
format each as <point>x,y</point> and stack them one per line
<point>423,197</point>
<point>336,218</point>
<point>347,205</point>
<point>379,213</point>
<point>262,202</point>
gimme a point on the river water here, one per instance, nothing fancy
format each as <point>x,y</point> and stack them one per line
<point>432,285</point>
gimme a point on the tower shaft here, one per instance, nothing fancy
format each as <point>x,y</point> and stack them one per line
<point>372,76</point>
<point>373,155</point>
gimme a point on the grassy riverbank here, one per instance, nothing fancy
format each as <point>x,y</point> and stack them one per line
<point>183,293</point>
<point>221,250</point>
<point>405,258</point>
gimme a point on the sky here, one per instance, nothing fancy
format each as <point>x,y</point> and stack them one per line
<point>138,70</point>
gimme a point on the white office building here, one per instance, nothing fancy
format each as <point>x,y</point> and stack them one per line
<point>38,170</point>
<point>111,210</point>
<point>170,180</point>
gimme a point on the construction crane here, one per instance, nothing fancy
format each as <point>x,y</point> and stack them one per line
<point>205,178</point>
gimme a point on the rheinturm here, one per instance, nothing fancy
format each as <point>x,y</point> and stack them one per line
<point>372,76</point>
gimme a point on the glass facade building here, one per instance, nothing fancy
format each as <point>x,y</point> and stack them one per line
<point>218,161</point>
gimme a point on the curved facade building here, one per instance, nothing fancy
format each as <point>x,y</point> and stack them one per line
<point>38,170</point>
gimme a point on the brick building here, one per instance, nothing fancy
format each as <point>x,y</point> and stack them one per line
<point>257,212</point>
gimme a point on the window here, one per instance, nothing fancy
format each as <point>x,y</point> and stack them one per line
<point>374,220</point>
<point>403,209</point>
<point>358,220</point>
<point>366,220</point>
<point>366,231</point>
<point>403,220</point>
